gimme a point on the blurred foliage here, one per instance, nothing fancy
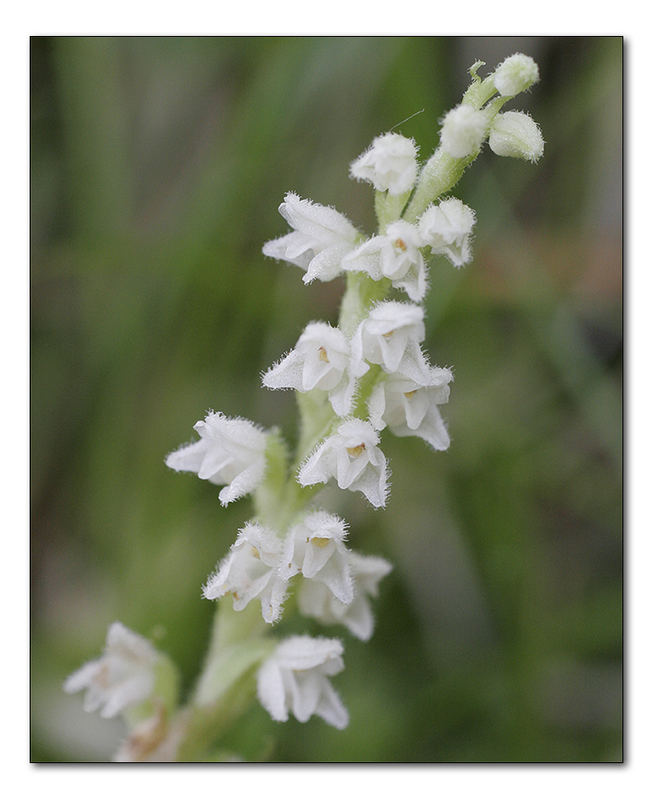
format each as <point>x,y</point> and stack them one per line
<point>157,168</point>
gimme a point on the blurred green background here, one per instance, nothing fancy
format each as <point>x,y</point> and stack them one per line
<point>157,168</point>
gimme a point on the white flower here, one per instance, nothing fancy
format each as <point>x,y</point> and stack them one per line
<point>352,457</point>
<point>390,163</point>
<point>410,408</point>
<point>320,360</point>
<point>516,74</point>
<point>396,255</point>
<point>316,548</point>
<point>230,451</point>
<point>316,601</point>
<point>447,229</point>
<point>123,676</point>
<point>463,131</point>
<point>321,237</point>
<point>516,135</point>
<point>251,570</point>
<point>296,678</point>
<point>390,337</point>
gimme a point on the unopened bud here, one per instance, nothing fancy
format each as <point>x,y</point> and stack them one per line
<point>463,131</point>
<point>390,163</point>
<point>516,74</point>
<point>516,135</point>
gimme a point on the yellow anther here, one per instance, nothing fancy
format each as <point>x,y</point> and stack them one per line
<point>409,394</point>
<point>323,354</point>
<point>320,541</point>
<point>401,245</point>
<point>354,452</point>
<point>255,552</point>
<point>388,334</point>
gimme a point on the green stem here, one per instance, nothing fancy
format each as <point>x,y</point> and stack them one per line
<point>440,174</point>
<point>389,207</point>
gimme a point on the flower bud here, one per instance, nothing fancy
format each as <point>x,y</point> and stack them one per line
<point>463,131</point>
<point>390,163</point>
<point>516,135</point>
<point>516,74</point>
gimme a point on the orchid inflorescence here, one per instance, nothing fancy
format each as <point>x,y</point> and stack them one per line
<point>355,380</point>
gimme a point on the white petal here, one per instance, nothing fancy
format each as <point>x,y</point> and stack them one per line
<point>292,247</point>
<point>373,483</point>
<point>131,691</point>
<point>315,469</point>
<point>327,264</point>
<point>187,458</point>
<point>305,694</point>
<point>286,373</point>
<point>244,483</point>
<point>82,678</point>
<point>305,652</point>
<point>432,430</point>
<point>342,396</point>
<point>366,258</point>
<point>320,222</point>
<point>336,576</point>
<point>271,692</point>
<point>359,618</point>
<point>331,708</point>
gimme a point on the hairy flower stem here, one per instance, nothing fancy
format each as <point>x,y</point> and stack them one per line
<point>443,171</point>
